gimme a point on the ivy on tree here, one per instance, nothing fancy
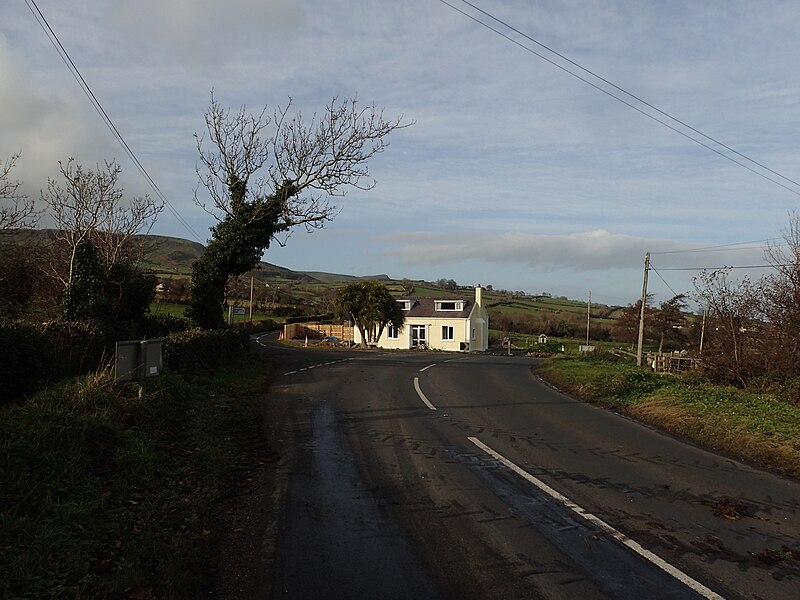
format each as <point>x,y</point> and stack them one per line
<point>266,175</point>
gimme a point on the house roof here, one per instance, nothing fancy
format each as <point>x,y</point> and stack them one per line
<point>426,307</point>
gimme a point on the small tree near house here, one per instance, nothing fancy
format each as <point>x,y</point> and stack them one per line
<point>371,307</point>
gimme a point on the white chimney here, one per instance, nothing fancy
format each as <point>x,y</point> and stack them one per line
<point>478,294</point>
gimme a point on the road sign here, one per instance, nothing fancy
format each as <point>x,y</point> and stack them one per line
<point>239,310</point>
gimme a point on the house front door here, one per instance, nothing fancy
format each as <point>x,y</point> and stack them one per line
<point>418,335</point>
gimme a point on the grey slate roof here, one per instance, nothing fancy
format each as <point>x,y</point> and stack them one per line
<point>425,307</point>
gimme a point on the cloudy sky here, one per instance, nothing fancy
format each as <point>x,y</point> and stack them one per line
<point>515,172</point>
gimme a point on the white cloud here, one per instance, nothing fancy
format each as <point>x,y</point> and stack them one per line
<point>596,250</point>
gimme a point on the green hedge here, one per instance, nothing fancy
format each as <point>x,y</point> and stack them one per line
<point>188,352</point>
<point>38,355</point>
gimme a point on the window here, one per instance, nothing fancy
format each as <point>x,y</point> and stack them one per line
<point>447,333</point>
<point>473,333</point>
<point>449,305</point>
<point>392,332</point>
<point>404,304</point>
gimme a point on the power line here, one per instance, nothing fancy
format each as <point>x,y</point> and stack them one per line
<point>76,74</point>
<point>674,293</point>
<point>731,267</point>
<point>719,247</point>
<point>629,94</point>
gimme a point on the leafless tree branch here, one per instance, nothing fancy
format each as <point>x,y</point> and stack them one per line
<point>17,211</point>
<point>319,158</point>
<point>89,205</point>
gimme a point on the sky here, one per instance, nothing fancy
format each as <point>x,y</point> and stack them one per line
<point>515,173</point>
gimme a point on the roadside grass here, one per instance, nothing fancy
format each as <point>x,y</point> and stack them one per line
<point>104,495</point>
<point>756,427</point>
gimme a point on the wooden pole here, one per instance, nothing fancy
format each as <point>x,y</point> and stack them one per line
<point>588,316</point>
<point>641,316</point>
<point>251,298</point>
<point>703,331</point>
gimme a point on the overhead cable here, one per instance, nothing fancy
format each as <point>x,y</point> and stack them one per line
<point>76,74</point>
<point>597,87</point>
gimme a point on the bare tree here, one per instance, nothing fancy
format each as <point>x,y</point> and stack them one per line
<point>257,155</point>
<point>266,175</point>
<point>781,290</point>
<point>90,206</point>
<point>17,211</point>
<point>735,310</point>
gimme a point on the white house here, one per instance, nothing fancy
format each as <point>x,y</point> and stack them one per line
<point>439,323</point>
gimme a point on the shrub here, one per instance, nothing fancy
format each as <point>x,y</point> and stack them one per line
<point>156,326</point>
<point>198,349</point>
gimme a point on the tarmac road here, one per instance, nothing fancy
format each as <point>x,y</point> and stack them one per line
<point>436,475</point>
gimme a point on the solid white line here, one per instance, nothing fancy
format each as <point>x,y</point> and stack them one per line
<point>597,522</point>
<point>422,370</point>
<point>421,395</point>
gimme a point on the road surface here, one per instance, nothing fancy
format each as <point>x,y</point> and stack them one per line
<point>437,475</point>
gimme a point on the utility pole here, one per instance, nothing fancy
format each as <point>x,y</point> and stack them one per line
<point>251,298</point>
<point>703,331</point>
<point>588,316</point>
<point>644,303</point>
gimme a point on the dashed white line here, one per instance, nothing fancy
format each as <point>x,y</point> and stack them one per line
<point>423,369</point>
<point>327,364</point>
<point>597,522</point>
<point>421,395</point>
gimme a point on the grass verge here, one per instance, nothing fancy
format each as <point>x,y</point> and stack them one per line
<point>103,495</point>
<point>756,427</point>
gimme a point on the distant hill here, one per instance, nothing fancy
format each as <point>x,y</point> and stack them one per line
<point>339,278</point>
<point>170,255</point>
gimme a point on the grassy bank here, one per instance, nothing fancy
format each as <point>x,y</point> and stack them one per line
<point>759,428</point>
<point>104,495</point>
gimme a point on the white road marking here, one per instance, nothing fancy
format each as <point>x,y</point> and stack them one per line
<point>423,369</point>
<point>421,395</point>
<point>335,362</point>
<point>597,522</point>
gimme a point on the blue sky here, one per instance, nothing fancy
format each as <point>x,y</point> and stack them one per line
<point>515,173</point>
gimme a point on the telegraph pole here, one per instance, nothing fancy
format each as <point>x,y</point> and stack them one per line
<point>251,298</point>
<point>703,330</point>
<point>588,316</point>
<point>644,303</point>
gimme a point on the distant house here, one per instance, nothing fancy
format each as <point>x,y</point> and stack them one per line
<point>454,324</point>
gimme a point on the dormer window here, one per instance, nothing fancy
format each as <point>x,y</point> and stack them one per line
<point>453,305</point>
<point>404,304</point>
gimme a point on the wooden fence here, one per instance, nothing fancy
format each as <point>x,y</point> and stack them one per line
<point>317,331</point>
<point>669,363</point>
<point>662,363</point>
